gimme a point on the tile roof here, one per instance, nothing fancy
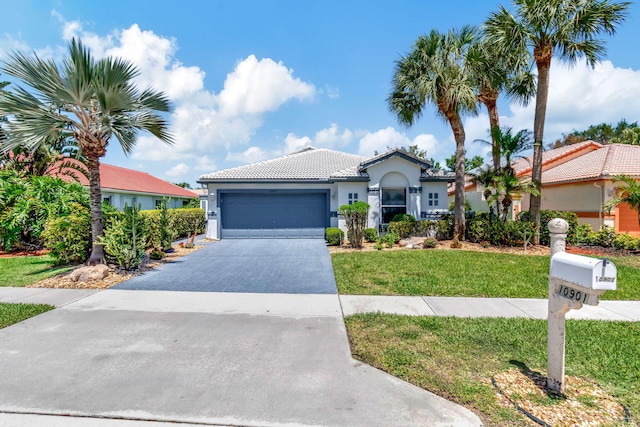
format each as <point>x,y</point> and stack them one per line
<point>308,164</point>
<point>608,161</point>
<point>523,165</point>
<point>119,178</point>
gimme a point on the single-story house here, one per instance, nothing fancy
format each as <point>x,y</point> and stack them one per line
<point>122,186</point>
<point>298,195</point>
<point>579,178</point>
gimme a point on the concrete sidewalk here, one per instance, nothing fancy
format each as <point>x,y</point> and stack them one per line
<point>352,304</point>
<point>483,307</point>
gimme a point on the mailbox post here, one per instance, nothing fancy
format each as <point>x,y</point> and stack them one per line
<point>574,280</point>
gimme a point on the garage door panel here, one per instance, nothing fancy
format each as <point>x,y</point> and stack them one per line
<point>274,215</point>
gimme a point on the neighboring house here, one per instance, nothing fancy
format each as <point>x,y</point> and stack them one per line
<point>579,178</point>
<point>298,195</point>
<point>122,186</point>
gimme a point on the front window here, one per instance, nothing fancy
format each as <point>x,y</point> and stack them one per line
<point>394,202</point>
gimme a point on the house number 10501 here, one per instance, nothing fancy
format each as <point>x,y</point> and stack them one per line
<point>573,294</point>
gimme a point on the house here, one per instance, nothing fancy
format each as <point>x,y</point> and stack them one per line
<point>579,178</point>
<point>298,195</point>
<point>121,186</point>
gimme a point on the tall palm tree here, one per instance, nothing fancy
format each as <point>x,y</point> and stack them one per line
<point>567,29</point>
<point>496,72</point>
<point>436,71</point>
<point>84,99</point>
<point>629,194</point>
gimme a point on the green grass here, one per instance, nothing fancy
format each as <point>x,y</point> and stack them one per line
<point>461,273</point>
<point>14,313</point>
<point>24,270</point>
<point>456,358</point>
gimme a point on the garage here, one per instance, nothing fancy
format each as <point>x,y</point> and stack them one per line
<point>272,214</point>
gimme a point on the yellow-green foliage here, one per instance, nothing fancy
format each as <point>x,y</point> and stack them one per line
<point>184,222</point>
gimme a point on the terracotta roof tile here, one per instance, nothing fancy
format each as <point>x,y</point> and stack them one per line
<point>119,178</point>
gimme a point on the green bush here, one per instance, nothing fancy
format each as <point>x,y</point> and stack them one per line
<point>166,228</point>
<point>429,243</point>
<point>183,223</point>
<point>125,240</point>
<point>546,216</point>
<point>69,237</point>
<point>426,228</point>
<point>445,228</point>
<point>403,217</point>
<point>477,228</point>
<point>355,216</point>
<point>582,233</point>
<point>391,238</point>
<point>605,237</point>
<point>334,236</point>
<point>626,241</point>
<point>26,203</point>
<point>156,254</point>
<point>370,234</point>
<point>403,229</point>
<point>378,244</point>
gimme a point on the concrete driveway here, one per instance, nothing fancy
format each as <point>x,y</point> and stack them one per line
<point>289,266</point>
<point>209,358</point>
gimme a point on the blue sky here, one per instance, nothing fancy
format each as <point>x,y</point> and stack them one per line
<point>252,80</point>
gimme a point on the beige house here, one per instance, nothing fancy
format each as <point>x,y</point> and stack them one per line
<point>578,178</point>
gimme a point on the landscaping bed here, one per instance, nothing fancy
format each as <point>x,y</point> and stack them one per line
<point>115,276</point>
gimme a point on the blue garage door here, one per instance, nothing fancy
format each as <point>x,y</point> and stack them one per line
<point>274,214</point>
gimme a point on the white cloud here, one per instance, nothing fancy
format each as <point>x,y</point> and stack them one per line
<point>293,143</point>
<point>202,122</point>
<point>383,139</point>
<point>180,169</point>
<point>250,155</point>
<point>581,96</point>
<point>258,86</point>
<point>333,137</point>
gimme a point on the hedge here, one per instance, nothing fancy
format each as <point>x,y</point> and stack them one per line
<point>183,222</point>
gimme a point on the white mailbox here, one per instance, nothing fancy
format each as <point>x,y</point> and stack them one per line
<point>589,273</point>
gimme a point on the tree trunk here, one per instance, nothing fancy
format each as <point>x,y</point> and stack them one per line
<point>458,210</point>
<point>95,194</point>
<point>494,123</point>
<point>543,62</point>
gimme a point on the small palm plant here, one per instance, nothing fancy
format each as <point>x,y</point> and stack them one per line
<point>629,194</point>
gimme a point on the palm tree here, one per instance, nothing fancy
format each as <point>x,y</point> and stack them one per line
<point>436,71</point>
<point>507,185</point>
<point>568,29</point>
<point>495,72</point>
<point>86,100</point>
<point>629,194</point>
<point>510,145</point>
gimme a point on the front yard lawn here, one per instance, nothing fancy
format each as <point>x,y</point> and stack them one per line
<point>461,273</point>
<point>24,270</point>
<point>457,358</point>
<point>14,313</point>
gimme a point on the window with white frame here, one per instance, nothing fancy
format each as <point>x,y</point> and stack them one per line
<point>353,197</point>
<point>433,199</point>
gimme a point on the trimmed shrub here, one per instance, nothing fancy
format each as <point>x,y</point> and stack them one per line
<point>402,228</point>
<point>429,243</point>
<point>391,238</point>
<point>156,254</point>
<point>69,237</point>
<point>355,216</point>
<point>334,236</point>
<point>403,217</point>
<point>626,241</point>
<point>445,227</point>
<point>183,222</point>
<point>546,216</point>
<point>370,234</point>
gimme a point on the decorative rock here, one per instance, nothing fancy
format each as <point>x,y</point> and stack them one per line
<point>88,273</point>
